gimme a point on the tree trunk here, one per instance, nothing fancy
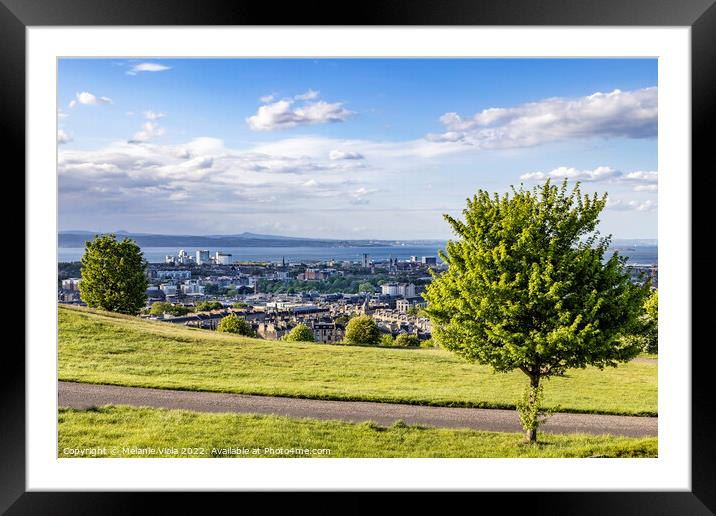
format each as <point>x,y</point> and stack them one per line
<point>534,384</point>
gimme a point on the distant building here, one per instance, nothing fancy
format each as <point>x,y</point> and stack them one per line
<point>202,257</point>
<point>192,288</point>
<point>327,333</point>
<point>398,289</point>
<point>168,289</point>
<point>429,260</point>
<point>184,258</point>
<point>222,258</point>
<point>366,262</point>
<point>403,305</point>
<point>175,275</point>
<point>71,283</point>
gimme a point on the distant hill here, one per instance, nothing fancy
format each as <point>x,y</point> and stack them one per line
<point>78,239</point>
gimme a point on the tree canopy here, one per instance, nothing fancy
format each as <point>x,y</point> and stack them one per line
<point>528,286</point>
<point>161,307</point>
<point>362,330</point>
<point>233,324</point>
<point>113,275</point>
<point>205,306</point>
<point>300,333</point>
<point>405,340</point>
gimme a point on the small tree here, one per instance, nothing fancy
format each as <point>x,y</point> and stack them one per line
<point>300,333</point>
<point>366,287</point>
<point>387,340</point>
<point>651,307</point>
<point>527,287</point>
<point>405,340</point>
<point>233,324</point>
<point>113,276</point>
<point>159,307</point>
<point>362,330</point>
<point>205,306</point>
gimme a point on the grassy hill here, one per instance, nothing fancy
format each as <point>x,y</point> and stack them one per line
<point>101,347</point>
<point>143,432</point>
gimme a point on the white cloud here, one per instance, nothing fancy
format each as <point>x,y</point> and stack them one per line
<point>89,99</point>
<point>533,176</point>
<point>149,131</point>
<point>598,174</point>
<point>72,104</point>
<point>642,181</point>
<point>63,137</point>
<point>632,205</point>
<point>147,67</point>
<point>266,99</point>
<point>203,172</point>
<point>178,196</point>
<point>630,114</point>
<point>359,196</point>
<point>61,114</point>
<point>309,95</point>
<point>642,176</point>
<point>152,115</point>
<point>337,155</point>
<point>283,114</point>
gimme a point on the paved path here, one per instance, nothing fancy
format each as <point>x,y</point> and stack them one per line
<point>84,395</point>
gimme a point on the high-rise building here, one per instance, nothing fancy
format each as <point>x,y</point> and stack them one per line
<point>202,256</point>
<point>365,260</point>
<point>222,258</point>
<point>429,260</point>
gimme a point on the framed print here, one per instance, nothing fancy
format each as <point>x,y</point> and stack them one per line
<point>425,247</point>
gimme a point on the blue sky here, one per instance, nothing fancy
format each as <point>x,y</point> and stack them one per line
<point>346,148</point>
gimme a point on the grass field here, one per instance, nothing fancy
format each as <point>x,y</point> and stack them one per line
<point>101,347</point>
<point>134,432</point>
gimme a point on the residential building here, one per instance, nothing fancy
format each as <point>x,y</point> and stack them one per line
<point>202,257</point>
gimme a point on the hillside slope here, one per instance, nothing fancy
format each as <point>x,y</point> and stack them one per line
<point>100,347</point>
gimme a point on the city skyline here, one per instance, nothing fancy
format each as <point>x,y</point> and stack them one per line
<point>346,148</point>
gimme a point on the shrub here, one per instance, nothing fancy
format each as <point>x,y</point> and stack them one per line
<point>300,333</point>
<point>233,324</point>
<point>162,307</point>
<point>205,306</point>
<point>387,340</point>
<point>405,340</point>
<point>362,330</point>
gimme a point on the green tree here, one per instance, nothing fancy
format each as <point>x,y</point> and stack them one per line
<point>233,324</point>
<point>387,340</point>
<point>113,276</point>
<point>239,304</point>
<point>342,319</point>
<point>205,306</point>
<point>527,287</point>
<point>366,287</point>
<point>159,307</point>
<point>647,334</point>
<point>405,340</point>
<point>362,330</point>
<point>300,333</point>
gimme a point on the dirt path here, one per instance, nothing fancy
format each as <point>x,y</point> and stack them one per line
<point>84,395</point>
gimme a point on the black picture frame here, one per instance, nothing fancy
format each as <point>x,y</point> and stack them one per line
<point>700,15</point>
